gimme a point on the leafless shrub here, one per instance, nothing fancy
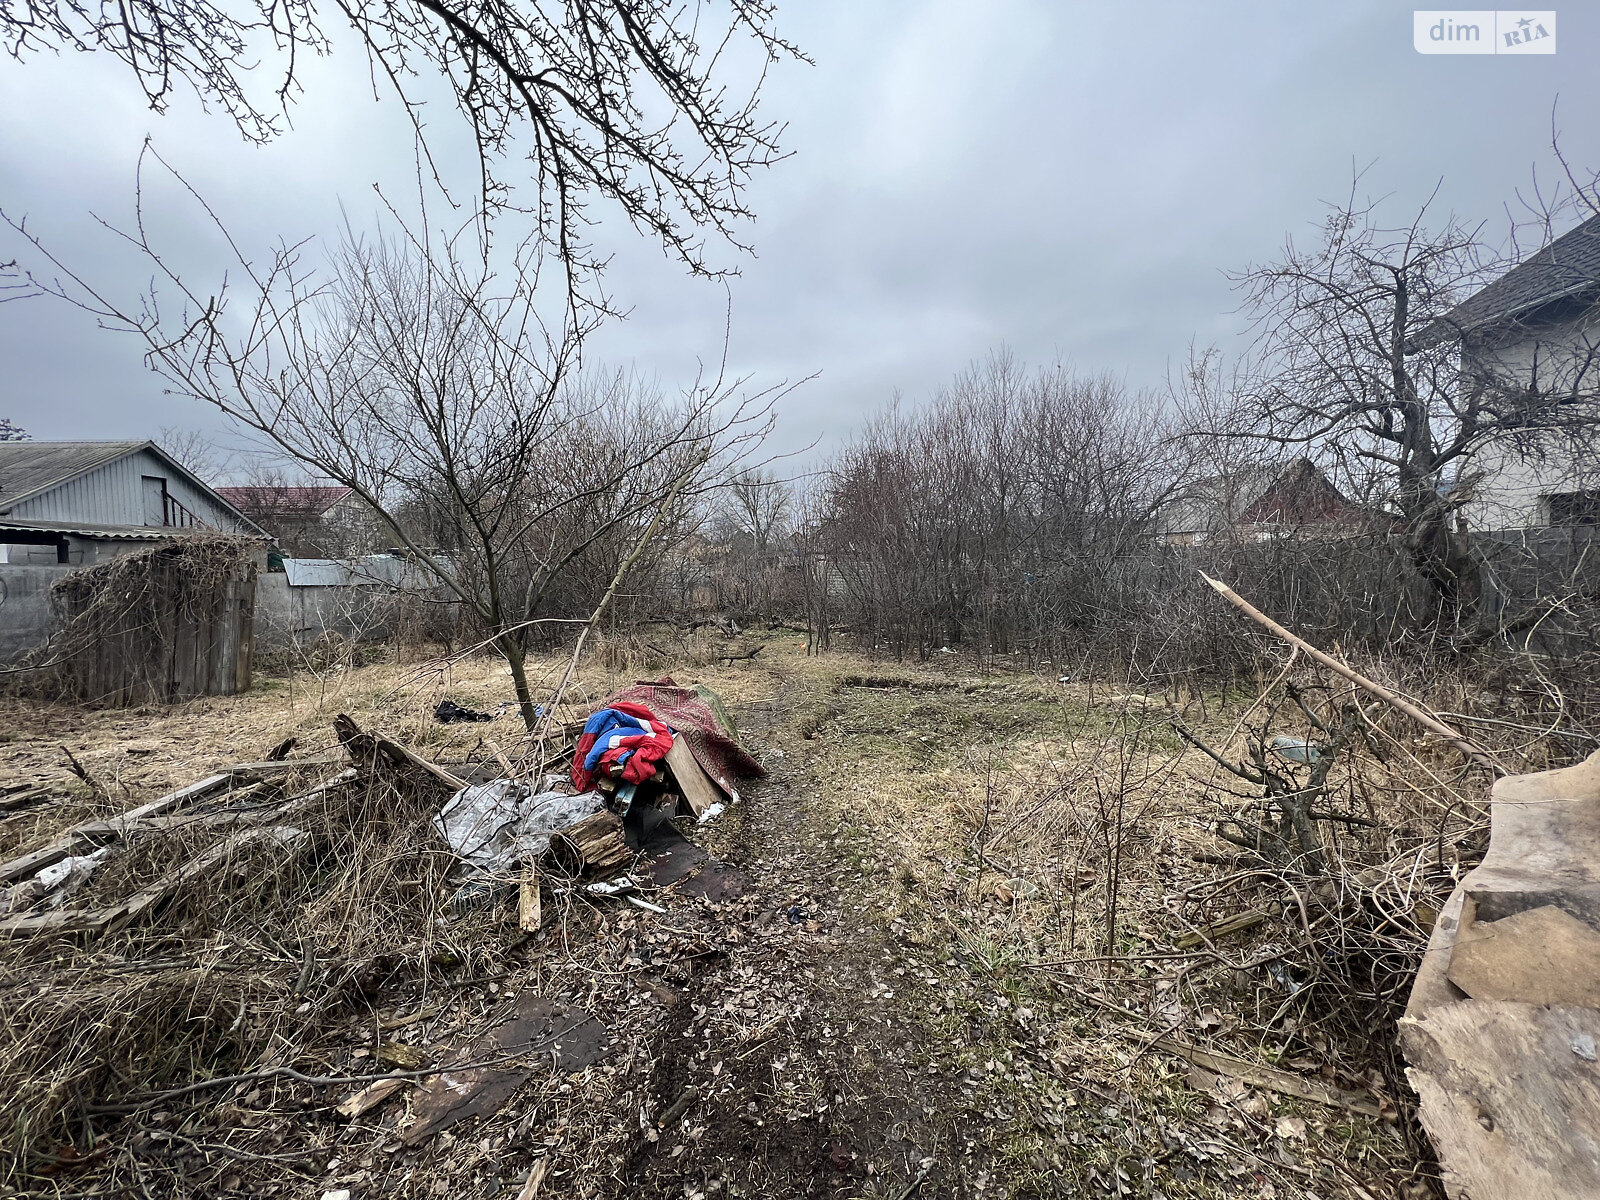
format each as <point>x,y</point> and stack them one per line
<point>999,513</point>
<point>423,373</point>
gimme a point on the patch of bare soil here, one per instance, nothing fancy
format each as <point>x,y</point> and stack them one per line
<point>793,1065</point>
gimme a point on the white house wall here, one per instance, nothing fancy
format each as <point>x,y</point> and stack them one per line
<point>112,494</point>
<point>1513,490</point>
<point>1511,493</point>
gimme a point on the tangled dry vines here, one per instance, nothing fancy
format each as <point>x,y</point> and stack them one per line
<point>158,625</point>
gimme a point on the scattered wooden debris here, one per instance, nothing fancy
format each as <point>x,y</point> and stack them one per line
<point>16,796</point>
<point>132,908</point>
<point>595,845</point>
<point>535,1181</point>
<point>558,1033</point>
<point>1234,924</point>
<point>530,912</point>
<point>400,1056</point>
<point>675,1111</point>
<point>371,749</point>
<point>162,815</point>
<point>693,782</point>
<point>1258,1075</point>
<point>369,1097</point>
<point>97,833</point>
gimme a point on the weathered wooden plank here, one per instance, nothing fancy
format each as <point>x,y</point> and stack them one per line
<point>131,908</point>
<point>1260,1075</point>
<point>97,833</point>
<point>371,1096</point>
<point>693,782</point>
<point>27,795</point>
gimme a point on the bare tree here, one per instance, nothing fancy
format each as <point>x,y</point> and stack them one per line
<point>429,383</point>
<point>651,106</point>
<point>757,505</point>
<point>1365,360</point>
<point>198,452</point>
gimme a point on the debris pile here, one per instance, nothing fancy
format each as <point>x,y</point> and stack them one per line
<point>230,936</point>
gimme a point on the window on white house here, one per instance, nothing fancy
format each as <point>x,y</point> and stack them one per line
<point>1574,508</point>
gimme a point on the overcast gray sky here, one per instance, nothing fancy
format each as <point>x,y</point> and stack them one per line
<point>1070,179</point>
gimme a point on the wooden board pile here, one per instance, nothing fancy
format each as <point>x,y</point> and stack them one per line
<point>229,803</point>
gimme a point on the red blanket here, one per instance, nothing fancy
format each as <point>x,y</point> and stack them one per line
<point>714,744</point>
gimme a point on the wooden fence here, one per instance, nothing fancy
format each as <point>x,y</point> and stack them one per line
<point>159,626</point>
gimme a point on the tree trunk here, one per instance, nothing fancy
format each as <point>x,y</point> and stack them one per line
<point>1443,557</point>
<point>517,660</point>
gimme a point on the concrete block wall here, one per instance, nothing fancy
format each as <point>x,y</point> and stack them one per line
<point>26,620</point>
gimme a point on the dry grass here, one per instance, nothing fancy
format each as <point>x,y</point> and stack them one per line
<point>1031,845</point>
<point>277,952</point>
<point>1052,834</point>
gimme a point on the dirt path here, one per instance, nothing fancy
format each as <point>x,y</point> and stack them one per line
<point>797,1065</point>
<point>878,1036</point>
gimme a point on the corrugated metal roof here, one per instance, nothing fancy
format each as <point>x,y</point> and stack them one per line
<point>86,529</point>
<point>28,468</point>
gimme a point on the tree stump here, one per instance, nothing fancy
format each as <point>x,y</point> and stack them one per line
<point>593,846</point>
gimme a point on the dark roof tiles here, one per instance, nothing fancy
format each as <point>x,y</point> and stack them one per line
<point>1568,266</point>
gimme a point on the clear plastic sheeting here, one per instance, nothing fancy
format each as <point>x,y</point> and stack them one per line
<point>493,826</point>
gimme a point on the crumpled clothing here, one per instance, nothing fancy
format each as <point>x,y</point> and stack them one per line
<point>623,735</point>
<point>696,715</point>
<point>494,826</point>
<point>448,712</point>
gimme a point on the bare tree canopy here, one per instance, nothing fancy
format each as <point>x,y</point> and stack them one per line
<point>1006,507</point>
<point>421,372</point>
<point>652,106</point>
<point>757,507</point>
<point>1363,361</point>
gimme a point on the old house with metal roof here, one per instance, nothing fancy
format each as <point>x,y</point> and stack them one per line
<point>67,505</point>
<point>308,520</point>
<point>82,502</point>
